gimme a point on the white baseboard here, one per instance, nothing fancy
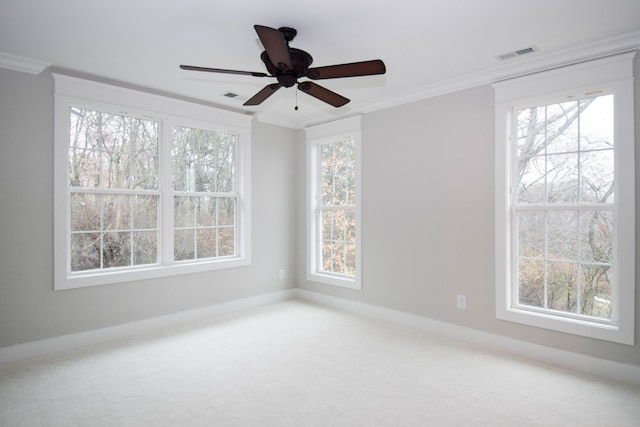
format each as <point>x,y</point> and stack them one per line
<point>608,369</point>
<point>83,339</point>
<point>617,371</point>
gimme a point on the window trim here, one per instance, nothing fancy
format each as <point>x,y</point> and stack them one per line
<point>72,91</point>
<point>612,74</point>
<point>318,135</point>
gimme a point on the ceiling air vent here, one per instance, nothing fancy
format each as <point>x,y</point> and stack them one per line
<point>517,53</point>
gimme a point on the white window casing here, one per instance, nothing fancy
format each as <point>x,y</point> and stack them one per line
<point>609,75</point>
<point>326,135</point>
<point>71,92</point>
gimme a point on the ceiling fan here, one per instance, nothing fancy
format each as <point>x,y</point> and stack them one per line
<point>288,64</point>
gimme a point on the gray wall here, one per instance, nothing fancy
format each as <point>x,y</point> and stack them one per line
<point>428,218</point>
<point>31,310</point>
<point>428,230</point>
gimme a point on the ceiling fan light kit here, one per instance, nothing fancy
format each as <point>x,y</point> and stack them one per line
<point>288,64</point>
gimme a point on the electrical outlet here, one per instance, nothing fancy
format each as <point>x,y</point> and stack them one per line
<point>281,274</point>
<point>462,302</point>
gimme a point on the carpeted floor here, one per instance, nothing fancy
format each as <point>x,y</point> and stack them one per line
<point>299,364</point>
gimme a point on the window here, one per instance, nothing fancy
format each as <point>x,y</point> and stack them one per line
<point>334,208</point>
<point>565,200</point>
<point>142,193</point>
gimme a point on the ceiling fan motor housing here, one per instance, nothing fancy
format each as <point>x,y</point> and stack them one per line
<point>300,61</point>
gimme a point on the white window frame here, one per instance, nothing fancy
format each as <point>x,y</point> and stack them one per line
<point>614,75</point>
<point>75,92</point>
<point>318,135</point>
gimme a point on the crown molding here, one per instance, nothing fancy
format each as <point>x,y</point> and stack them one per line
<point>517,67</point>
<point>541,61</point>
<point>22,64</point>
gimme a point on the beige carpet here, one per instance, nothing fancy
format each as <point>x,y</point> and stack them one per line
<point>299,364</point>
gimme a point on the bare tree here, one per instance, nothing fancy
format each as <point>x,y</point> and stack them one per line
<point>564,160</point>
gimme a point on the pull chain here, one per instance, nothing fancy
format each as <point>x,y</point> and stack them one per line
<point>296,99</point>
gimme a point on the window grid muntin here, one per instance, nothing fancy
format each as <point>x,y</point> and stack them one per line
<point>324,243</point>
<point>163,257</point>
<point>347,206</point>
<point>546,207</point>
<point>198,157</point>
<point>577,261</point>
<point>102,230</point>
<point>217,227</point>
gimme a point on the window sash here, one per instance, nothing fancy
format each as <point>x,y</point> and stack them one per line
<point>222,229</point>
<point>133,227</point>
<point>327,244</point>
<point>579,261</point>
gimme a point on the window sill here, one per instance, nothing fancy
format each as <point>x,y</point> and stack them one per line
<point>343,282</point>
<point>64,281</point>
<point>602,331</point>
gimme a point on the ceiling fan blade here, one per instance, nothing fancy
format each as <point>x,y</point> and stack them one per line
<point>353,69</point>
<point>220,70</point>
<point>265,93</point>
<point>276,46</point>
<point>323,94</point>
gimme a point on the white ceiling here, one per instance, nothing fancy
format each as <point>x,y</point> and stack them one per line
<point>429,47</point>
